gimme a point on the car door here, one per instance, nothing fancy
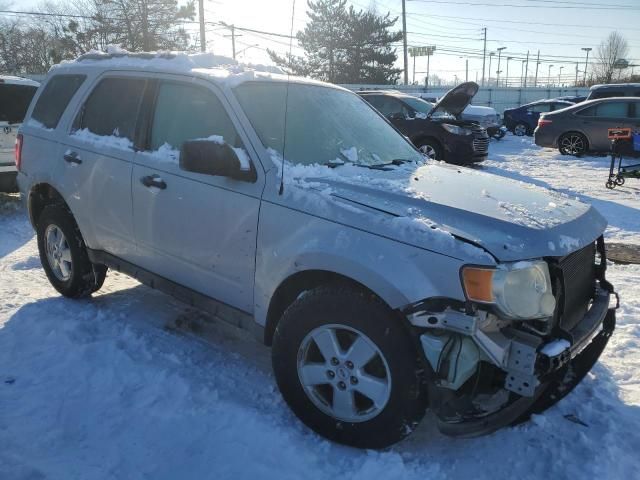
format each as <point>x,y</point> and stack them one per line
<point>194,229</point>
<point>597,119</point>
<point>98,154</point>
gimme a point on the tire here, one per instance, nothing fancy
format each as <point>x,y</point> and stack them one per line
<point>430,148</point>
<point>572,143</point>
<point>64,258</point>
<point>354,317</point>
<point>521,129</point>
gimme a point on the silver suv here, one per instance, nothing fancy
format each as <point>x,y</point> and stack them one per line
<point>386,284</point>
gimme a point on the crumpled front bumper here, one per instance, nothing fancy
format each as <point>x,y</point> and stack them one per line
<point>557,375</point>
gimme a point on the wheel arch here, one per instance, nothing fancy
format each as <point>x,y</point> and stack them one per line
<point>41,195</point>
<point>296,284</point>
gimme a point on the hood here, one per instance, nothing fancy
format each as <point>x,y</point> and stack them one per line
<point>456,99</point>
<point>511,220</point>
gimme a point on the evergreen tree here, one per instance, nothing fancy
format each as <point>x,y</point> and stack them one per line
<point>344,46</point>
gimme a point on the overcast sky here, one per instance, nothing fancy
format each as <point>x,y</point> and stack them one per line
<point>559,29</point>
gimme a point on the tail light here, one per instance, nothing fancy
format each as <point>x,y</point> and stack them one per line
<point>18,151</point>
<point>542,122</point>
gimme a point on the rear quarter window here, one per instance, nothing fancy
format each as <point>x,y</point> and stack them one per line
<point>54,99</point>
<point>14,101</point>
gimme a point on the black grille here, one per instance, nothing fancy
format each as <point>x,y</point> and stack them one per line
<point>480,140</point>
<point>578,280</point>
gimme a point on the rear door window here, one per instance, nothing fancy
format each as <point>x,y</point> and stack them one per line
<point>612,110</point>
<point>112,108</point>
<point>14,102</point>
<point>540,108</point>
<point>54,99</point>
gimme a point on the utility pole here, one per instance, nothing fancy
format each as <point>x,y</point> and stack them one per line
<point>404,41</point>
<point>427,79</point>
<point>484,53</point>
<point>522,75</point>
<point>506,80</point>
<point>586,64</point>
<point>500,49</point>
<point>576,83</point>
<point>466,70</point>
<point>414,70</point>
<point>549,76</point>
<point>535,82</point>
<point>203,38</point>
<point>526,70</point>
<point>233,38</point>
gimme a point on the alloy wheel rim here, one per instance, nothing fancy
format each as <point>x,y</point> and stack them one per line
<point>343,373</point>
<point>429,151</point>
<point>58,252</point>
<point>520,130</point>
<point>573,144</point>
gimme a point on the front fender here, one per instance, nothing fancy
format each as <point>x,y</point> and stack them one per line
<point>291,241</point>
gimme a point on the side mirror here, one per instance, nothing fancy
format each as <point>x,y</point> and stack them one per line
<point>213,158</point>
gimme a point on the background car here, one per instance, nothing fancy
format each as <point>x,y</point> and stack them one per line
<point>15,95</point>
<point>583,127</point>
<point>435,129</point>
<point>523,120</point>
<point>614,90</point>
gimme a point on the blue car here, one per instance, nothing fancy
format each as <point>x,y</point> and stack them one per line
<point>523,120</point>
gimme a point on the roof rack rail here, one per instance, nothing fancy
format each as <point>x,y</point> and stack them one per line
<point>140,55</point>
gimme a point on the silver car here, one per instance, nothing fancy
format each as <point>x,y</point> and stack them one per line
<point>386,284</point>
<point>583,128</point>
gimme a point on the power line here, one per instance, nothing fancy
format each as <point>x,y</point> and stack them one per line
<point>501,5</point>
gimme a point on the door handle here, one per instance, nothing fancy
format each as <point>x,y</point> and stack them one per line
<point>153,181</point>
<point>72,157</point>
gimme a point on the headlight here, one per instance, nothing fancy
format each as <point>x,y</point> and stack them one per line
<point>456,130</point>
<point>520,290</point>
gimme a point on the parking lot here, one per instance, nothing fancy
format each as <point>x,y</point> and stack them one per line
<point>108,388</point>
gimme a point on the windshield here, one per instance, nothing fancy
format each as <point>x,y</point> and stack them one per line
<point>418,104</point>
<point>324,125</point>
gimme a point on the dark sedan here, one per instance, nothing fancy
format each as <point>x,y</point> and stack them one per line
<point>584,127</point>
<point>523,120</point>
<point>436,130</point>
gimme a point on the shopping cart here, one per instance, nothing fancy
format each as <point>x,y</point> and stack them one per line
<point>624,144</point>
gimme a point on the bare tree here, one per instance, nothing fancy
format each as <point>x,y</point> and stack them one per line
<point>608,55</point>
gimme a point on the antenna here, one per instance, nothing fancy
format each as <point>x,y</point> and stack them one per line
<point>286,101</point>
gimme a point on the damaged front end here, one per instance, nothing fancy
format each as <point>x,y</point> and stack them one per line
<point>494,361</point>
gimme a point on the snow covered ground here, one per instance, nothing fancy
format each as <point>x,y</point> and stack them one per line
<point>102,389</point>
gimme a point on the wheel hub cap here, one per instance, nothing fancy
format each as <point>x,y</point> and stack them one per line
<point>344,373</point>
<point>58,253</point>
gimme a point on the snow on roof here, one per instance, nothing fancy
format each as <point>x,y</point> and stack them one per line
<point>11,80</point>
<point>219,68</point>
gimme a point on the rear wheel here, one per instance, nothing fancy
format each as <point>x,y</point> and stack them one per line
<point>431,149</point>
<point>64,256</point>
<point>348,368</point>
<point>572,143</point>
<point>521,129</point>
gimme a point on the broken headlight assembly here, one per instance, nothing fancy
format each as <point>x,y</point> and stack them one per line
<point>519,291</point>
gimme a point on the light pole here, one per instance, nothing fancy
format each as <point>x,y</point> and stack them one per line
<point>506,79</point>
<point>522,74</point>
<point>500,49</point>
<point>491,54</point>
<point>560,75</point>
<point>549,76</point>
<point>586,64</point>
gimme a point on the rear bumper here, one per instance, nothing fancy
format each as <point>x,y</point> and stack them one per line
<point>545,138</point>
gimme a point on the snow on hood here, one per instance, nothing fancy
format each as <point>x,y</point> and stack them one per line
<point>433,206</point>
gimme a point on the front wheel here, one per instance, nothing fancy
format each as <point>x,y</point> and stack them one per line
<point>572,143</point>
<point>64,256</point>
<point>431,149</point>
<point>347,367</point>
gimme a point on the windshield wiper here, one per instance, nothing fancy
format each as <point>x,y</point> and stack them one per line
<point>395,161</point>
